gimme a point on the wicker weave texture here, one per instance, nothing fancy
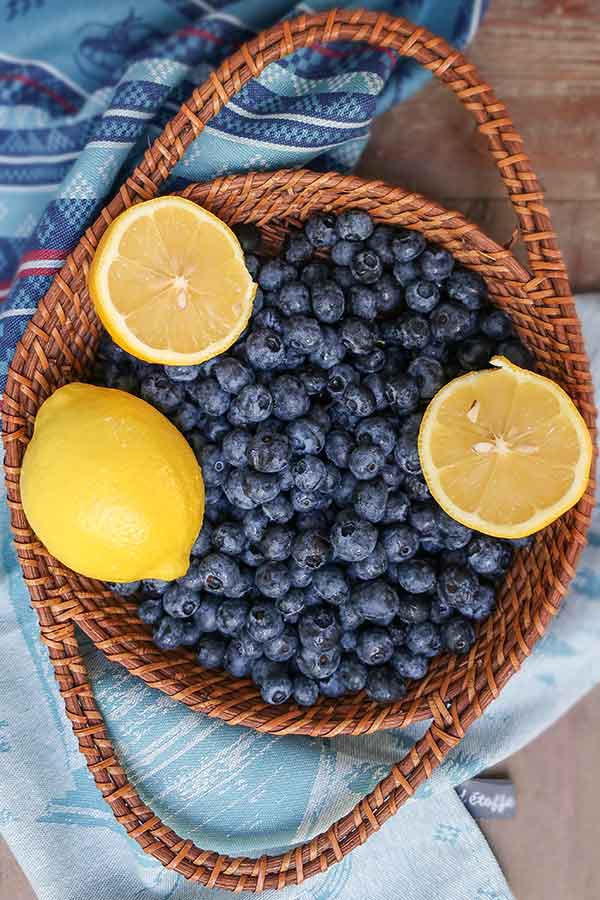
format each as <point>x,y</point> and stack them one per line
<point>59,346</point>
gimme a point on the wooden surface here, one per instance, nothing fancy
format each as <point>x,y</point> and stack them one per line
<point>543,59</point>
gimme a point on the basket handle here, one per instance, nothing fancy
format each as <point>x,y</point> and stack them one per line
<point>407,39</point>
<point>208,867</point>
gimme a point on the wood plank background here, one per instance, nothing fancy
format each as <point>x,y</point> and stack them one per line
<point>542,57</point>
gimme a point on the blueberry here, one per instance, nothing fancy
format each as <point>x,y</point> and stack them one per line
<point>279,509</point>
<point>305,690</point>
<point>276,689</point>
<point>314,271</point>
<point>300,576</point>
<point>234,447</point>
<point>331,585</point>
<point>254,403</point>
<point>293,299</point>
<point>331,480</point>
<point>311,549</point>
<point>193,579</point>
<point>219,573</point>
<point>276,543</point>
<point>406,453</point>
<point>231,374</point>
<point>413,610</point>
<point>231,616</point>
<point>436,263</point>
<point>373,566</point>
<point>352,539</point>
<point>344,493</point>
<point>308,472</point>
<point>366,267</point>
<point>458,587</point>
<point>423,639</point>
<point>407,245</point>
<point>363,301</point>
<point>384,685</point>
<point>440,611</point>
<point>209,397</point>
<point>354,225</point>
<point>376,385</point>
<point>374,646</point>
<point>516,353</point>
<point>488,556</point>
<point>400,542</point>
<point>318,663</point>
<point>305,501</point>
<point>273,274</point>
<point>358,335</point>
<point>416,488</point>
<point>180,602</point>
<point>331,350</point>
<point>339,378</point>
<point>229,538</point>
<point>264,621</point>
<point>320,229</point>
<point>260,487</point>
<point>359,400</point>
<point>255,524</point>
<point>290,400</point>
<point>338,446</point>
<point>409,665</point>
<point>314,381</point>
<point>213,465</point>
<point>191,632</point>
<point>348,641</point>
<point>371,499</point>
<point>349,616</point>
<point>161,392</point>
<point>455,535</point>
<point>168,633</point>
<point>206,614</point>
<point>124,589</point>
<point>422,296</point>
<point>450,322</point>
<point>302,333</point>
<point>249,646</point>
<point>352,673</point>
<point>263,668</point>
<point>150,610</point>
<point>181,373</point>
<point>236,662</point>
<point>474,353</point>
<point>273,580</point>
<point>369,363</point>
<point>253,265</point>
<point>402,393</point>
<point>467,287</point>
<point>305,436</point>
<point>291,604</point>
<point>282,647</point>
<point>428,374</point>
<point>322,418</point>
<point>264,349</point>
<point>392,476</point>
<point>366,461</point>
<point>496,325</point>
<point>381,242</point>
<point>268,452</point>
<point>211,651</point>
<point>318,628</point>
<point>423,517</point>
<point>343,277</point>
<point>458,635</point>
<point>243,585</point>
<point>417,576</point>
<point>297,248</point>
<point>388,294</point>
<point>269,319</point>
<point>107,349</point>
<point>405,272</point>
<point>484,605</point>
<point>376,602</point>
<point>248,235</point>
<point>343,251</point>
<point>414,331</point>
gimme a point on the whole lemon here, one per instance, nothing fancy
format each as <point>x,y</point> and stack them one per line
<point>110,486</point>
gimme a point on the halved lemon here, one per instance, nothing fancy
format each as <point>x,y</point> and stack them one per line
<point>169,282</point>
<point>504,451</point>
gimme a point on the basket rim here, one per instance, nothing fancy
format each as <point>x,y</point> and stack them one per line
<point>238,701</point>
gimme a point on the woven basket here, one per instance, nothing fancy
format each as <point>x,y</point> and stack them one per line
<point>59,345</point>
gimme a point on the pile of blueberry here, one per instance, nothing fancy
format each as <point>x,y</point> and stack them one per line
<point>324,566</point>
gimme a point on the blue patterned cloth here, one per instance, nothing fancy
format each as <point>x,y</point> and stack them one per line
<point>82,89</point>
